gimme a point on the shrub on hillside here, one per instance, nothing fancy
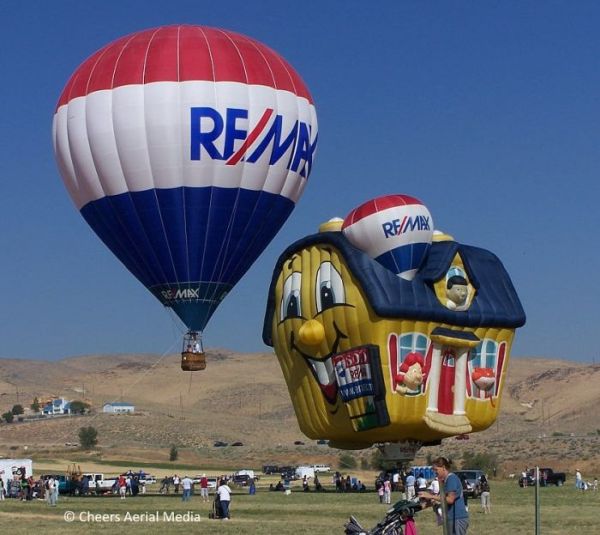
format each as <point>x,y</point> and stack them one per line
<point>8,417</point>
<point>347,460</point>
<point>88,437</point>
<point>479,461</point>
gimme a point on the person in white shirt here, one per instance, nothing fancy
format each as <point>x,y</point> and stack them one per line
<point>410,486</point>
<point>186,484</point>
<point>52,491</point>
<point>224,493</point>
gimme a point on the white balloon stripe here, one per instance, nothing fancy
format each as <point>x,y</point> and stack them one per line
<point>132,125</point>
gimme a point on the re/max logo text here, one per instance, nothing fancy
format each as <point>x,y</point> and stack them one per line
<point>209,126</point>
<point>406,224</point>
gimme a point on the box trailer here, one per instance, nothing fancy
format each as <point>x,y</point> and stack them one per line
<point>307,471</point>
<point>12,469</point>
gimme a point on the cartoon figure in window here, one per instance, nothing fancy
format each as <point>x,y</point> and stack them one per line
<point>411,375</point>
<point>457,291</point>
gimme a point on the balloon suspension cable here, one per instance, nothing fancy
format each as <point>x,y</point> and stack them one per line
<point>139,378</point>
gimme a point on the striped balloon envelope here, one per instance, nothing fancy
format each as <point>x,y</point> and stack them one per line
<point>185,148</point>
<point>395,230</point>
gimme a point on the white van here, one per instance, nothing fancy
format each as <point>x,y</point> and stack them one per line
<point>321,467</point>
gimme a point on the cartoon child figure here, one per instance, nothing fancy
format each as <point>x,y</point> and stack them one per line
<point>411,375</point>
<point>457,291</point>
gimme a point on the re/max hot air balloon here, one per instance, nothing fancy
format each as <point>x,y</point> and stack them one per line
<point>395,230</point>
<point>185,148</point>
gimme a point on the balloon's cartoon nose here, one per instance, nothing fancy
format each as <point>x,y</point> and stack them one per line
<point>312,333</point>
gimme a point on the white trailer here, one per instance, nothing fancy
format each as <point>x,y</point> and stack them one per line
<point>307,471</point>
<point>13,469</point>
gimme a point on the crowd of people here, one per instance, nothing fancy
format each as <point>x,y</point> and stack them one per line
<point>26,488</point>
<point>412,485</point>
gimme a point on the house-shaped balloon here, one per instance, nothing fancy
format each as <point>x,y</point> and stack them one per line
<point>370,357</point>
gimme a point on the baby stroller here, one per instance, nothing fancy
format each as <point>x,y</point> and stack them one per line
<point>392,524</point>
<point>216,512</point>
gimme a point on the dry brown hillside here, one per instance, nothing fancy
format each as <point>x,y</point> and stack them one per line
<point>243,397</point>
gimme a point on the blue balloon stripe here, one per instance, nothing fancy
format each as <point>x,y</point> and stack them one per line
<point>111,219</point>
<point>148,210</point>
<point>267,209</point>
<point>220,228</point>
<point>192,243</point>
<point>402,258</point>
<point>172,219</point>
<point>196,215</point>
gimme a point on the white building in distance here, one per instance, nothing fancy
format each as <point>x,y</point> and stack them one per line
<point>118,408</point>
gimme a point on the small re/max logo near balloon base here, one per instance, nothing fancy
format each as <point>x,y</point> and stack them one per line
<point>183,293</point>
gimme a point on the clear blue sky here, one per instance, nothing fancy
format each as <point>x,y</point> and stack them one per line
<point>486,111</point>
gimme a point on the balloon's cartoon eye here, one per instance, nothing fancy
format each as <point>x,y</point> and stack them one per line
<point>329,288</point>
<point>291,306</point>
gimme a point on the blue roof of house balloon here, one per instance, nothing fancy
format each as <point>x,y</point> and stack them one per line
<point>495,304</point>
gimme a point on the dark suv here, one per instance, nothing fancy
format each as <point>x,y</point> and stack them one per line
<point>470,481</point>
<point>242,480</point>
<point>288,472</point>
<point>270,469</point>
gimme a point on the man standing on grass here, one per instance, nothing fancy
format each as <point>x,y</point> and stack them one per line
<point>410,486</point>
<point>224,493</point>
<point>186,483</point>
<point>52,491</point>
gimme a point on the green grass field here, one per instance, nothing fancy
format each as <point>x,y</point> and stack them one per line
<point>564,511</point>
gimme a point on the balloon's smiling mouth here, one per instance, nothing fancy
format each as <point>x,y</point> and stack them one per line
<point>322,367</point>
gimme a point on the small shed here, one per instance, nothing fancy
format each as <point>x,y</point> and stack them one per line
<point>118,408</point>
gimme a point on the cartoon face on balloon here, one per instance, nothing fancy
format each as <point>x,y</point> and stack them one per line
<point>457,289</point>
<point>484,378</point>
<point>411,375</point>
<point>317,306</point>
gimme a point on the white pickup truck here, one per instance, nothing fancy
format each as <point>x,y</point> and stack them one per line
<point>102,483</point>
<point>98,482</point>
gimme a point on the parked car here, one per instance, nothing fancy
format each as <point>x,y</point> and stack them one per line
<point>321,467</point>
<point>242,480</point>
<point>547,477</point>
<point>470,479</point>
<point>238,444</point>
<point>288,472</point>
<point>271,469</point>
<point>219,444</point>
